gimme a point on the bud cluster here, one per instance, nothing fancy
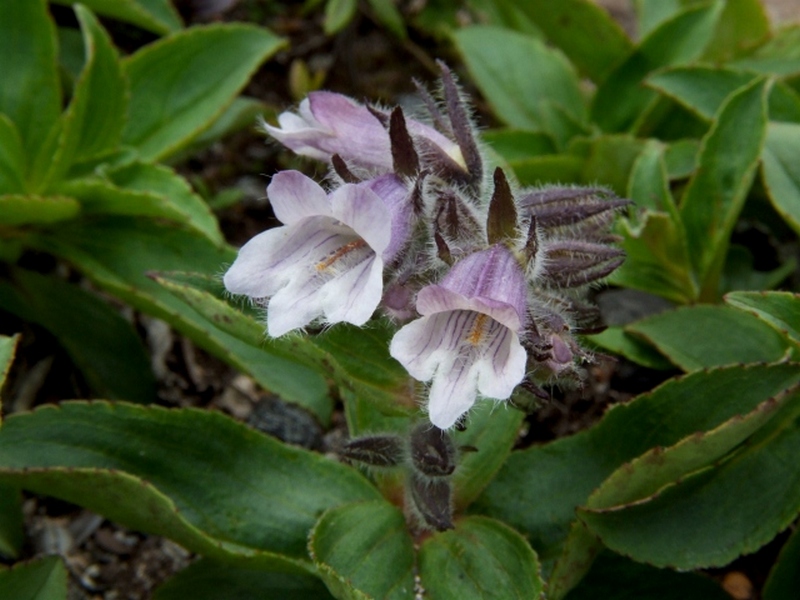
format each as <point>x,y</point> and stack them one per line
<point>488,281</point>
<point>430,457</point>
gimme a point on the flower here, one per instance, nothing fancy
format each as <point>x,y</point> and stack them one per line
<point>327,123</point>
<point>467,340</point>
<point>328,257</point>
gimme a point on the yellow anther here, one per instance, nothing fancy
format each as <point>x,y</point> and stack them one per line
<point>343,251</point>
<point>478,329</point>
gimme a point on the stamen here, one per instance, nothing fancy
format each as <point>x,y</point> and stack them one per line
<point>478,329</point>
<point>343,251</point>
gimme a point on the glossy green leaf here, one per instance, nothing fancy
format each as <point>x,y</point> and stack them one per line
<point>480,558</point>
<point>538,489</point>
<point>781,170</point>
<point>364,550</point>
<point>206,579</point>
<point>93,122</point>
<point>19,209</point>
<point>210,483</point>
<point>784,579</point>
<point>117,254</point>
<point>779,56</point>
<point>241,114</point>
<point>657,258</point>
<point>43,579</point>
<point>585,32</point>
<point>703,90</point>
<point>158,16</point>
<point>517,144</point>
<point>103,345</point>
<point>31,93</point>
<point>780,309</point>
<point>716,514</point>
<point>12,158</point>
<point>500,62</point>
<point>616,578</point>
<point>492,429</point>
<point>682,335</point>
<point>338,13</point>
<point>622,97</point>
<point>181,84</point>
<point>645,475</point>
<point>715,195</point>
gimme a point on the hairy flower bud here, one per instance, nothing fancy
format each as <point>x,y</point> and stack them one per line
<point>375,450</point>
<point>433,453</point>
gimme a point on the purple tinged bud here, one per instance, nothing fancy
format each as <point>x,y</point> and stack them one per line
<point>593,208</point>
<point>376,450</point>
<point>433,452</point>
<point>327,123</point>
<point>431,500</point>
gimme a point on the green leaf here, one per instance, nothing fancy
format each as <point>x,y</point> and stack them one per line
<point>621,97</point>
<point>338,13</point>
<point>364,550</point>
<point>618,341</point>
<point>12,158</point>
<point>389,16</point>
<point>8,349</point>
<point>742,26</point>
<point>92,124</point>
<point>538,489</point>
<point>778,56</point>
<point>549,168</point>
<point>174,189</point>
<point>181,84</point>
<point>480,558</point>
<point>492,430</point>
<point>616,578</point>
<point>652,13</point>
<point>703,90</point>
<point>716,514</point>
<point>648,185</point>
<point>499,61</point>
<point>102,344</point>
<point>31,94</point>
<point>207,579</point>
<point>517,144</point>
<point>657,468</point>
<point>739,273</point>
<point>716,193</point>
<point>157,16</point>
<point>118,254</point>
<point>19,209</point>
<point>781,172</point>
<point>610,161</point>
<point>242,113</point>
<point>682,335</point>
<point>585,32</point>
<point>657,258</point>
<point>44,579</point>
<point>12,524</point>
<point>779,309</point>
<point>213,485</point>
<point>681,158</point>
<point>784,579</point>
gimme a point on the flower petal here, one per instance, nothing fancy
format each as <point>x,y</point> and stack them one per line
<point>294,196</point>
<point>353,296</point>
<point>293,307</point>
<point>420,346</point>
<point>435,299</point>
<point>362,209</point>
<point>502,364</point>
<point>453,392</point>
<point>273,258</point>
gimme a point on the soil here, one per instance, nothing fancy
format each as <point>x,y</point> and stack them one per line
<point>109,562</point>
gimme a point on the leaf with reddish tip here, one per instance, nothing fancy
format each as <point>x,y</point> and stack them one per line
<point>780,309</point>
